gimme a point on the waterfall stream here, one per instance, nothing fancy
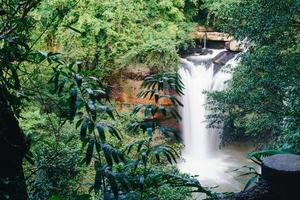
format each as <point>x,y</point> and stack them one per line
<point>201,154</point>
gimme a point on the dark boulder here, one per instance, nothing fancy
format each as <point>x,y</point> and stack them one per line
<point>223,57</point>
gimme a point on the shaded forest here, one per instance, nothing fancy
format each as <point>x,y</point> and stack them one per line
<point>63,134</point>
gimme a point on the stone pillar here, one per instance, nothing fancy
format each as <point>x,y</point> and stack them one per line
<point>282,174</point>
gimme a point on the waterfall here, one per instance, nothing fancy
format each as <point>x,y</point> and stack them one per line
<point>205,40</point>
<point>201,153</point>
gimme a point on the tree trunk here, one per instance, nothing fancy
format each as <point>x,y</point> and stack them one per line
<point>13,147</point>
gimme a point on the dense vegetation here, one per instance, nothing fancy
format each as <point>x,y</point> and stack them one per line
<point>56,115</point>
<point>60,134</point>
<point>111,34</point>
<point>262,99</point>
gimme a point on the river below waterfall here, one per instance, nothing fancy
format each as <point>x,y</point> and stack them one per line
<point>202,155</point>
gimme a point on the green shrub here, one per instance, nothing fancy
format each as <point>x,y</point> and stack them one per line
<point>109,34</point>
<point>56,154</point>
<point>288,141</point>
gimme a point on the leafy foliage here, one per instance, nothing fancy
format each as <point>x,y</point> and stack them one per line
<point>87,100</point>
<point>261,100</point>
<point>105,35</point>
<point>14,47</point>
<point>257,157</point>
<point>112,34</point>
<point>120,174</point>
<point>55,155</point>
<point>109,35</point>
<point>288,141</point>
<point>157,87</point>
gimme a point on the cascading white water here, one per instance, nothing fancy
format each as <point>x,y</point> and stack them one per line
<point>201,154</point>
<point>197,75</point>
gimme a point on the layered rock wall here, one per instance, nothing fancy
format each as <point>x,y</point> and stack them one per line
<point>210,35</point>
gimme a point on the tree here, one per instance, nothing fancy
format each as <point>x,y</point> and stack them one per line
<point>25,23</point>
<point>13,147</point>
<point>261,99</point>
<point>111,35</point>
<point>16,55</point>
<point>15,24</point>
<point>119,174</point>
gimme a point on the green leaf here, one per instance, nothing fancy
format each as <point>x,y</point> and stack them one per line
<point>91,108</point>
<point>58,198</point>
<point>156,97</point>
<point>142,181</point>
<point>78,80</point>
<point>79,66</point>
<point>144,158</point>
<point>78,123</point>
<point>150,132</point>
<point>107,154</point>
<point>157,157</point>
<point>101,133</point>
<point>114,132</point>
<point>98,147</point>
<point>42,53</point>
<point>29,159</point>
<point>123,180</point>
<point>73,98</point>
<point>113,184</point>
<point>98,180</point>
<point>82,197</point>
<point>137,108</point>
<point>84,127</point>
<point>62,85</point>
<point>175,114</point>
<point>168,157</point>
<point>107,110</point>
<point>89,152</point>
<point>250,182</point>
<point>259,155</point>
<point>110,113</point>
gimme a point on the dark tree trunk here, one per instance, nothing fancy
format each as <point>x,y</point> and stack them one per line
<point>12,151</point>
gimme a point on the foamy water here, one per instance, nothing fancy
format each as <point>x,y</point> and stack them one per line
<point>201,155</point>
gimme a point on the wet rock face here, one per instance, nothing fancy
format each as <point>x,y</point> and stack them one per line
<point>125,93</point>
<point>206,33</point>
<point>136,72</point>
<point>125,90</point>
<point>235,46</point>
<point>190,51</point>
<point>210,34</point>
<point>223,57</point>
<point>126,87</point>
